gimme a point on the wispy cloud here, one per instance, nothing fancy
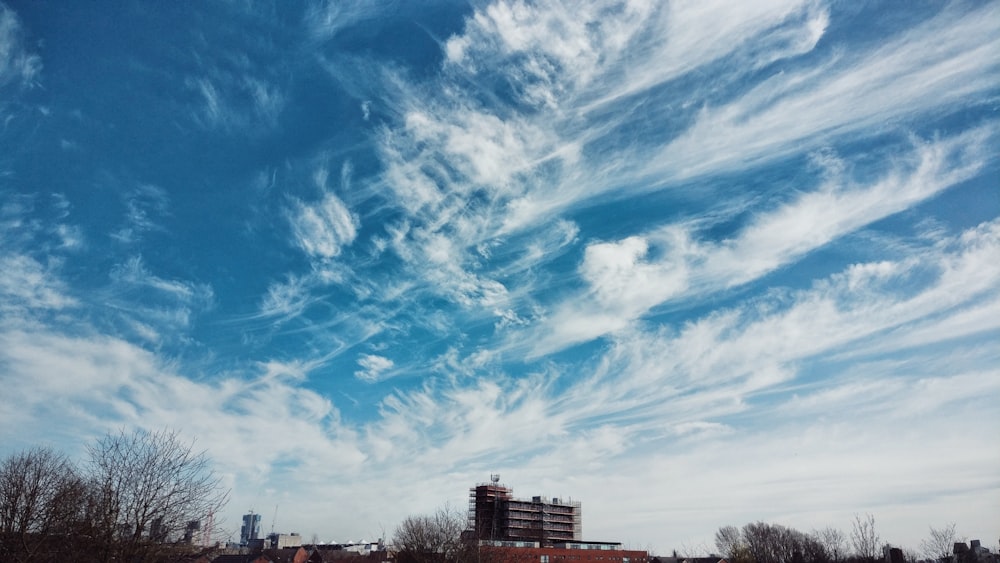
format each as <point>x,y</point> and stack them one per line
<point>939,64</point>
<point>133,272</point>
<point>145,206</point>
<point>650,390</point>
<point>286,299</point>
<point>153,308</point>
<point>326,18</point>
<point>19,68</point>
<point>27,284</point>
<point>626,278</point>
<point>323,228</point>
<point>236,103</point>
<point>604,248</point>
<point>32,254</point>
<point>373,367</point>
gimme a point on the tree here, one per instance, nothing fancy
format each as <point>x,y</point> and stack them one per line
<point>728,541</point>
<point>444,537</point>
<point>433,538</point>
<point>940,543</point>
<point>759,542</point>
<point>833,541</point>
<point>40,496</point>
<point>864,538</point>
<point>772,543</point>
<point>146,486</point>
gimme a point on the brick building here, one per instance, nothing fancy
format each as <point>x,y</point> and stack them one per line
<point>568,552</point>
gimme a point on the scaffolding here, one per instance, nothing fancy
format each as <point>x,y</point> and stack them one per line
<point>495,515</point>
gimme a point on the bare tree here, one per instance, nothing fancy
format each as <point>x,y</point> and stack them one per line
<point>940,543</point>
<point>40,496</point>
<point>864,538</point>
<point>773,543</point>
<point>432,538</point>
<point>728,541</point>
<point>833,541</point>
<point>147,486</point>
<point>760,542</point>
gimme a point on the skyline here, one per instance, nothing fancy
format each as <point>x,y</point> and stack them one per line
<point>691,264</point>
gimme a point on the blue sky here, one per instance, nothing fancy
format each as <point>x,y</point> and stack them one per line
<point>690,263</point>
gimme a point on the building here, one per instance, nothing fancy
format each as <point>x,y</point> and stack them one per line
<point>974,552</point>
<point>192,532</point>
<point>564,552</point>
<point>496,516</point>
<point>250,529</point>
<point>284,541</point>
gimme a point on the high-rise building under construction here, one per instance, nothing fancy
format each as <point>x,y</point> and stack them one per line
<point>250,529</point>
<point>495,515</point>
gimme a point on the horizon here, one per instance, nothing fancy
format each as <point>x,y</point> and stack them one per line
<point>691,264</point>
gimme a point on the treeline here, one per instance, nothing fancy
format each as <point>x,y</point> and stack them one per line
<point>760,542</point>
<point>134,499</point>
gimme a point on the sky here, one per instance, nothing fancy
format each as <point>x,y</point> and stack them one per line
<point>690,263</point>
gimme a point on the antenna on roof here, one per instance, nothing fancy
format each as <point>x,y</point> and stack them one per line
<point>274,519</point>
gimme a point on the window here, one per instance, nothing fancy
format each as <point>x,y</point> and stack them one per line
<point>543,559</point>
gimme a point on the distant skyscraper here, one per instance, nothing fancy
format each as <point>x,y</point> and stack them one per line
<point>250,529</point>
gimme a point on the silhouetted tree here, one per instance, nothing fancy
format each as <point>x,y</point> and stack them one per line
<point>729,542</point>
<point>433,538</point>
<point>40,498</point>
<point>940,543</point>
<point>131,503</point>
<point>759,542</point>
<point>833,541</point>
<point>145,486</point>
<point>444,537</point>
<point>772,543</point>
<point>864,538</point>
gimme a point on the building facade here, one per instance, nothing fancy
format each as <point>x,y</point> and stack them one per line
<point>250,529</point>
<point>496,516</point>
<point>568,552</point>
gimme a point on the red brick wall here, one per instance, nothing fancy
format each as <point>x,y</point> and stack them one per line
<point>559,555</point>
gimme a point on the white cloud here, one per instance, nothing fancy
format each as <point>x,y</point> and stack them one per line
<point>133,272</point>
<point>26,284</point>
<point>467,175</point>
<point>373,367</point>
<point>286,299</point>
<point>624,281</point>
<point>668,409</point>
<point>324,228</point>
<point>942,63</point>
<point>237,102</point>
<point>324,19</point>
<point>785,401</point>
<point>146,205</point>
<point>18,67</point>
